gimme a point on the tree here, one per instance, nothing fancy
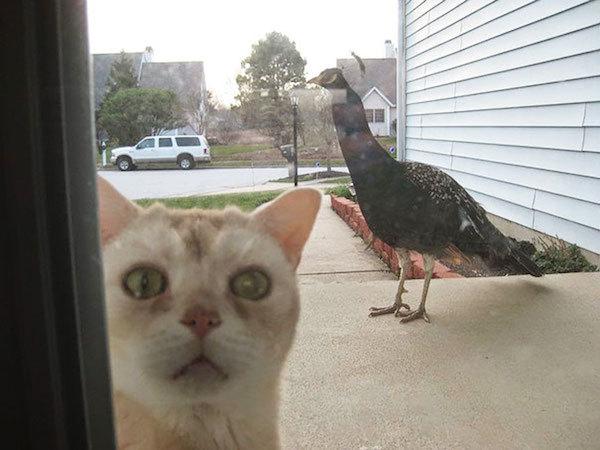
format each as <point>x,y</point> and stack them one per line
<point>198,107</point>
<point>130,114</point>
<point>121,76</point>
<point>274,65</point>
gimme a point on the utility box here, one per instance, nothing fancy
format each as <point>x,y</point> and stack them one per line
<point>287,151</point>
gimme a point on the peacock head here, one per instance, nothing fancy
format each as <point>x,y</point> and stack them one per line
<point>330,79</point>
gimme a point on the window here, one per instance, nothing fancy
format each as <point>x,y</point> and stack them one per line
<point>52,305</point>
<point>146,143</point>
<point>187,141</point>
<point>165,142</point>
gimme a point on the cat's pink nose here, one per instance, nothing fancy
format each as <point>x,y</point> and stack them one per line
<point>200,321</point>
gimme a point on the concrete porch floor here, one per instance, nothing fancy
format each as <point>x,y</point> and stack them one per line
<point>510,362</point>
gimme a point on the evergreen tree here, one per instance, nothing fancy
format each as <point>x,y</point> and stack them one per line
<point>121,76</point>
<point>130,114</point>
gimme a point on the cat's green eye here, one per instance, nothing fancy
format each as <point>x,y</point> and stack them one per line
<point>144,282</point>
<point>251,284</point>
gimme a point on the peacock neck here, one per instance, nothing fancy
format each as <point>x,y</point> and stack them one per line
<point>360,149</point>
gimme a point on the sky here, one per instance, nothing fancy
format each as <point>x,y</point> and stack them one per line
<point>221,32</point>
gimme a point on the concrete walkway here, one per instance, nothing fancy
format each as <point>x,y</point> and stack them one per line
<point>509,362</point>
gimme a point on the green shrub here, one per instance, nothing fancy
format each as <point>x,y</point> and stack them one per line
<point>341,190</point>
<point>561,257</point>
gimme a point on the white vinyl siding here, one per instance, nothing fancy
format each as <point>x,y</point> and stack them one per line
<point>504,95</point>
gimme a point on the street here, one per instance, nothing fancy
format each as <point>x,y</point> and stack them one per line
<point>174,183</point>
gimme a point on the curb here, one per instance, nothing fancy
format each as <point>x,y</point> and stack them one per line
<point>350,212</point>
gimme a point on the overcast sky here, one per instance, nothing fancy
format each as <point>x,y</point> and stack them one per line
<point>221,32</point>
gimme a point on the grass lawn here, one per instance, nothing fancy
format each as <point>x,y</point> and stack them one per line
<point>226,150</point>
<point>341,180</point>
<point>246,201</point>
<point>387,141</point>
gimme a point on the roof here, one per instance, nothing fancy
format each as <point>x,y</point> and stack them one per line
<point>183,78</point>
<point>102,63</point>
<point>379,73</point>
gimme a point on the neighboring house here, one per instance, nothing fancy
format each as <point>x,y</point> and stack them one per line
<point>186,79</point>
<point>505,97</point>
<point>377,88</point>
<point>101,65</point>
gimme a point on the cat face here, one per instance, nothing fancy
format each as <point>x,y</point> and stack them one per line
<point>201,305</point>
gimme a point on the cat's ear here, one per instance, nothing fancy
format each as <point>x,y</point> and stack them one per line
<point>289,219</point>
<point>115,211</point>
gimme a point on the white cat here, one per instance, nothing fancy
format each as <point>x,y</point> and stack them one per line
<point>202,309</point>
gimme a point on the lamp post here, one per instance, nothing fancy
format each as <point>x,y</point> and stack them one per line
<point>294,100</point>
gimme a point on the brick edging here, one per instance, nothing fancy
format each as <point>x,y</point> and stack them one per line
<point>350,212</point>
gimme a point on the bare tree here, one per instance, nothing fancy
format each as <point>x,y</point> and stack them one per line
<point>317,128</point>
<point>194,110</point>
<point>198,108</point>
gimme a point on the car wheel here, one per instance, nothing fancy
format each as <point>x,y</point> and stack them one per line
<point>124,163</point>
<point>186,162</point>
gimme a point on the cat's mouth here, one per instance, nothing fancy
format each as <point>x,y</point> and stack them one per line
<point>201,362</point>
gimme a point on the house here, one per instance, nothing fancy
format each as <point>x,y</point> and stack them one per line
<point>505,97</point>
<point>102,63</point>
<point>185,79</point>
<point>377,88</point>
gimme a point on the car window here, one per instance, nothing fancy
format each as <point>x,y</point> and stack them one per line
<point>188,141</point>
<point>165,142</point>
<point>146,143</point>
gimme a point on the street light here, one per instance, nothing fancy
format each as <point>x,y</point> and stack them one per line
<point>294,100</point>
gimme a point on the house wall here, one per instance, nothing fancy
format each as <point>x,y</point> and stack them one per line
<point>375,101</point>
<point>505,96</point>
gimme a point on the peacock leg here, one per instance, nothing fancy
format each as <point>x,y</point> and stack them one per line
<point>396,307</point>
<point>428,263</point>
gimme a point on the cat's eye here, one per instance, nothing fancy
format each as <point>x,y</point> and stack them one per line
<point>251,284</point>
<point>145,282</point>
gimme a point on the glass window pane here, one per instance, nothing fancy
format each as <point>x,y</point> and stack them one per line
<point>187,141</point>
<point>147,143</point>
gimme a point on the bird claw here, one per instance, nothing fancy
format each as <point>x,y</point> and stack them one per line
<point>395,309</point>
<point>419,313</point>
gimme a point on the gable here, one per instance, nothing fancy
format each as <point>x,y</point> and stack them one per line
<point>376,95</point>
<point>379,72</point>
<point>101,65</point>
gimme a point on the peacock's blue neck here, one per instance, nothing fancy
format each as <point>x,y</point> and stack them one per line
<point>360,149</point>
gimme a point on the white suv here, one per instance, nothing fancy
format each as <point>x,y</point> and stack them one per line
<point>183,150</point>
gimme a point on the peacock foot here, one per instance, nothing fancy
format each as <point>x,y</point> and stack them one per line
<point>419,313</point>
<point>395,309</point>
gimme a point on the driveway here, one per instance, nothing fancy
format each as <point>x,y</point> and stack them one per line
<point>175,183</point>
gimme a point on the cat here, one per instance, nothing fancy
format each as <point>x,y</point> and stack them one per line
<point>202,308</point>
